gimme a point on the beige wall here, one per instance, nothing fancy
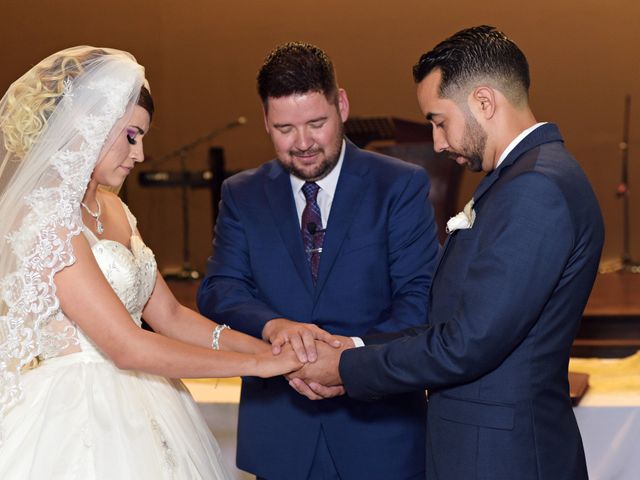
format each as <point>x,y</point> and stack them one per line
<point>202,56</point>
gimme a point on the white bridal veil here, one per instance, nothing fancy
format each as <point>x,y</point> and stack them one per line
<point>54,122</point>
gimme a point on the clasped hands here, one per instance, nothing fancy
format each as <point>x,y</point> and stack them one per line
<point>316,349</point>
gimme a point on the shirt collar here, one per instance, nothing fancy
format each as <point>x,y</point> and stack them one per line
<point>329,183</point>
<point>516,141</point>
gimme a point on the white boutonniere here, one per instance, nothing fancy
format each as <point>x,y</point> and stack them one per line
<point>463,220</point>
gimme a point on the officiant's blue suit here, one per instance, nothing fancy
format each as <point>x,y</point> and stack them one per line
<point>506,303</point>
<point>375,272</point>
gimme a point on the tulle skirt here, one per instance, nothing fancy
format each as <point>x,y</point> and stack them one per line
<point>83,418</point>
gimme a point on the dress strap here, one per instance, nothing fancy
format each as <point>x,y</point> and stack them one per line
<point>89,235</point>
<point>133,223</point>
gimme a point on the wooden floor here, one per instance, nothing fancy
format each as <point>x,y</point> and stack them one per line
<point>610,326</point>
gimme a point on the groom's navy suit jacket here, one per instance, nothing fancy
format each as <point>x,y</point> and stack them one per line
<point>375,272</point>
<point>506,303</point>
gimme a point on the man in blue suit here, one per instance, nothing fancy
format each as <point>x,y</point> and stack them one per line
<point>510,287</point>
<point>325,238</point>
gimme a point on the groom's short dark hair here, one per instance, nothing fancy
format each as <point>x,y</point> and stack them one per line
<point>474,55</point>
<point>296,68</point>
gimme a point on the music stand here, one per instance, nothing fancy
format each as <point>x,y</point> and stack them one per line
<point>187,272</point>
<point>184,181</point>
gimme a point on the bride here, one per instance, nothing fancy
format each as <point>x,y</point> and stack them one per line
<point>84,391</point>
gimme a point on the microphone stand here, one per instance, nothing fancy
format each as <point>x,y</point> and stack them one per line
<point>183,150</point>
<point>188,272</point>
<point>626,264</point>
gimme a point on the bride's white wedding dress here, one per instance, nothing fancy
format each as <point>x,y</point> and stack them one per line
<point>83,418</point>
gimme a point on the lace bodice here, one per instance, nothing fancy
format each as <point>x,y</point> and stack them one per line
<point>130,272</point>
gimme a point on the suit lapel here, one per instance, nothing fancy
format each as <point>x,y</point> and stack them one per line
<point>280,197</point>
<point>345,205</point>
<point>441,253</point>
<point>543,134</point>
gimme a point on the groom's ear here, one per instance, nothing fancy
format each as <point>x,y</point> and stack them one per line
<point>482,102</point>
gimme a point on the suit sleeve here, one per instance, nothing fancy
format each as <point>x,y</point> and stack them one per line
<point>228,293</point>
<point>525,241</point>
<point>412,251</point>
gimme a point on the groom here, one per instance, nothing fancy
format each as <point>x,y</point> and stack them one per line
<point>510,287</point>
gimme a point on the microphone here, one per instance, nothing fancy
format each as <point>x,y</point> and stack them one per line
<point>312,228</point>
<point>238,122</point>
<point>183,150</point>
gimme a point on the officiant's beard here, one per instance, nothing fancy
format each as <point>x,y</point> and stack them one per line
<point>474,142</point>
<point>331,156</point>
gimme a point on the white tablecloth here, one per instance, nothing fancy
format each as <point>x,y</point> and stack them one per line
<point>609,417</point>
<point>609,424</point>
<point>611,438</point>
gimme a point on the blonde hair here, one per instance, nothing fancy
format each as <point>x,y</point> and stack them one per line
<point>33,97</point>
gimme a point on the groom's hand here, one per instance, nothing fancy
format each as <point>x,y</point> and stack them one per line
<point>301,336</point>
<point>321,379</point>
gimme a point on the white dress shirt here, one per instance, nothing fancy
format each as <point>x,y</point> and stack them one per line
<point>325,197</point>
<point>516,141</point>
<point>326,193</point>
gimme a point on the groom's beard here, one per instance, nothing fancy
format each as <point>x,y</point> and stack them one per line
<point>474,142</point>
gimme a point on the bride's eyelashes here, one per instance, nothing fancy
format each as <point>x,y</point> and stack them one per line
<point>131,136</point>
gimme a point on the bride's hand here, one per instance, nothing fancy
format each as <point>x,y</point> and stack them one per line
<point>270,365</point>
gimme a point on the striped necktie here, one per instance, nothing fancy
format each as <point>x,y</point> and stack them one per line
<point>311,225</point>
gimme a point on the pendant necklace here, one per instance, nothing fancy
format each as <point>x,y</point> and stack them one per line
<point>96,216</point>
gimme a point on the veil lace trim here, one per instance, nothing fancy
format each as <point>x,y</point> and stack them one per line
<point>47,216</point>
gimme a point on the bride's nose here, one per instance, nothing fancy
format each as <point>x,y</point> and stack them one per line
<point>136,153</point>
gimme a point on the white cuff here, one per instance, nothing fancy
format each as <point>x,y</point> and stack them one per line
<point>357,341</point>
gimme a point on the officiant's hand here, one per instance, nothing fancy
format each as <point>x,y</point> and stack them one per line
<point>321,379</point>
<point>315,391</point>
<point>301,336</point>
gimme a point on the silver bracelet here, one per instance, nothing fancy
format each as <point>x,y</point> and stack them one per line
<point>215,341</point>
